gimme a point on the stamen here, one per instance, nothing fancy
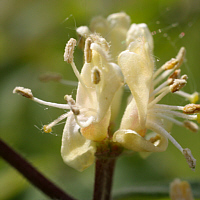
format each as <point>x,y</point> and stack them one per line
<point>191,126</point>
<point>84,124</point>
<point>193,98</point>
<point>96,75</point>
<point>168,65</point>
<point>48,128</point>
<point>28,94</point>
<point>72,104</point>
<point>55,105</point>
<point>177,114</point>
<point>175,74</point>
<point>165,91</point>
<point>25,92</point>
<point>191,108</point>
<point>189,158</point>
<point>158,129</point>
<point>170,119</point>
<point>180,57</point>
<point>158,89</point>
<point>177,85</point>
<point>88,51</point>
<point>171,107</point>
<point>69,50</point>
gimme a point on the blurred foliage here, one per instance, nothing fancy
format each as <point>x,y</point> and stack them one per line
<point>32,40</point>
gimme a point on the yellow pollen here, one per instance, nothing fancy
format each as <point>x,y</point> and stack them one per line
<point>46,129</point>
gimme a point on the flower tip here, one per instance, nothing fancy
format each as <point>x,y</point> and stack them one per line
<point>189,158</point>
<point>25,92</point>
<point>69,50</point>
<point>46,129</point>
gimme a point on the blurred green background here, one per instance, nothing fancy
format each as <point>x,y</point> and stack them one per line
<point>33,35</point>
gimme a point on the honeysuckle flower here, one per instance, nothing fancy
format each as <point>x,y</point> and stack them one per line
<point>89,116</point>
<point>143,111</point>
<point>100,90</point>
<point>114,29</point>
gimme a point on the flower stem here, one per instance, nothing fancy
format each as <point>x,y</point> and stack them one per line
<point>31,173</point>
<point>106,156</point>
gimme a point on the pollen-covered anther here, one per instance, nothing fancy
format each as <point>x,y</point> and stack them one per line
<point>191,126</point>
<point>88,51</point>
<point>69,50</point>
<point>175,74</point>
<point>25,92</point>
<point>185,77</point>
<point>72,104</point>
<point>155,140</point>
<point>180,57</point>
<point>189,158</point>
<point>96,75</point>
<point>177,85</point>
<point>170,64</point>
<point>47,129</point>
<point>191,108</point>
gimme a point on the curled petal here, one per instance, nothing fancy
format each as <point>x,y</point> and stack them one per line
<point>133,141</point>
<point>76,151</point>
<point>137,67</point>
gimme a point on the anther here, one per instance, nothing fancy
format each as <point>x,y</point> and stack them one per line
<point>170,64</point>
<point>180,57</point>
<point>177,85</point>
<point>72,104</point>
<point>184,77</point>
<point>155,140</point>
<point>189,158</point>
<point>88,51</point>
<point>96,75</point>
<point>47,129</point>
<point>191,108</point>
<point>69,50</point>
<point>175,74</point>
<point>191,126</point>
<point>25,92</point>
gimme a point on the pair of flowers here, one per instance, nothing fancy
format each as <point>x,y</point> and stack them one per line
<point>124,57</point>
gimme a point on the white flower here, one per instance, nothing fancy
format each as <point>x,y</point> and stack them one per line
<point>142,111</point>
<point>99,93</point>
<point>89,118</point>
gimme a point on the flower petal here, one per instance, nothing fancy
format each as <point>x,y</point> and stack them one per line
<point>133,141</point>
<point>137,31</point>
<point>137,67</point>
<point>76,151</point>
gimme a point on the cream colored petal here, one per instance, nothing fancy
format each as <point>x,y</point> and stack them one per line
<point>76,151</point>
<point>112,81</point>
<point>130,119</point>
<point>138,31</point>
<point>137,67</point>
<point>133,141</point>
<point>118,26</point>
<point>120,19</point>
<point>99,25</point>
